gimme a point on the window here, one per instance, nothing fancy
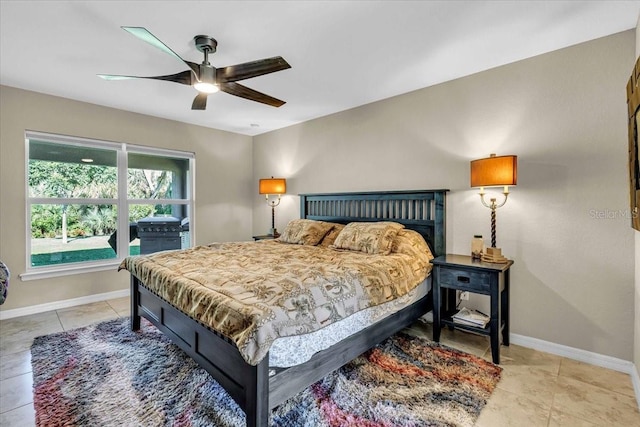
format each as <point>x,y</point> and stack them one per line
<point>92,203</point>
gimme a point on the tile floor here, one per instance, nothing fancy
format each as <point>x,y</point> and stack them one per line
<point>536,389</point>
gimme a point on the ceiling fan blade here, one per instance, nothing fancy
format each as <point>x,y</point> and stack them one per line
<point>247,70</point>
<point>244,92</point>
<point>200,102</point>
<point>184,77</point>
<point>116,77</point>
<point>146,36</point>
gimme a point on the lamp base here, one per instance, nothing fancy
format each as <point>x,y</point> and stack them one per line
<point>494,255</point>
<point>273,232</point>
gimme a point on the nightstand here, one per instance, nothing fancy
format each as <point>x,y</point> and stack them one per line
<point>264,237</point>
<point>460,272</point>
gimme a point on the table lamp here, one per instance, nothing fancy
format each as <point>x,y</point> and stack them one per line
<point>491,172</point>
<point>273,186</point>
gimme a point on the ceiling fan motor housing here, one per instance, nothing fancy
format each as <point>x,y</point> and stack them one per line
<point>205,44</point>
<point>207,74</point>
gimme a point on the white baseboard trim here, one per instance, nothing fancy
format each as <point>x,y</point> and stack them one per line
<point>585,356</point>
<point>635,379</point>
<point>589,357</point>
<point>57,305</point>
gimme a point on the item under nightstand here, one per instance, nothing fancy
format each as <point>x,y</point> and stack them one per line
<point>461,272</point>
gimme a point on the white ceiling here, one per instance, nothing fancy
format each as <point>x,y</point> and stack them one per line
<point>343,53</point>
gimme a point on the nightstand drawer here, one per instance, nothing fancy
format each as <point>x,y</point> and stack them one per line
<point>464,279</point>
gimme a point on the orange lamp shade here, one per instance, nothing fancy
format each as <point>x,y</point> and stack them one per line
<point>273,186</point>
<point>494,171</point>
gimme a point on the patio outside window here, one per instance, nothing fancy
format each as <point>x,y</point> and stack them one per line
<point>78,190</point>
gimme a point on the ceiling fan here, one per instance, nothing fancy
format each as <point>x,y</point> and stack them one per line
<point>207,79</point>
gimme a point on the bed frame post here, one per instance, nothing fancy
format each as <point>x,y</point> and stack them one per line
<point>257,395</point>
<point>135,302</point>
<point>440,231</point>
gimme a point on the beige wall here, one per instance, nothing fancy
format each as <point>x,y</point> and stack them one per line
<point>563,114</point>
<point>223,181</point>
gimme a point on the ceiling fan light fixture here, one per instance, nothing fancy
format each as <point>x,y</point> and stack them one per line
<point>206,82</point>
<point>205,87</point>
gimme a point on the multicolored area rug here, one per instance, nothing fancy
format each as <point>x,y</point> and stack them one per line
<point>107,375</point>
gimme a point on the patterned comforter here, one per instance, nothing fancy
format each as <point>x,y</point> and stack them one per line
<point>255,292</point>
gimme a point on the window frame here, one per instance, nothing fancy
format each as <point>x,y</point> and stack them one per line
<point>122,202</point>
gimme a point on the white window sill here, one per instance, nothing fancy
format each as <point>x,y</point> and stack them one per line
<point>67,270</point>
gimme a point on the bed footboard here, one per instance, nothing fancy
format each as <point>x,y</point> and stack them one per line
<point>248,385</point>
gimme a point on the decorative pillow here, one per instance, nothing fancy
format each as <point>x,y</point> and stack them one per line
<point>368,237</point>
<point>330,237</point>
<point>305,231</point>
<point>410,242</point>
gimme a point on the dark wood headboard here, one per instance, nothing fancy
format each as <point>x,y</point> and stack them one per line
<point>420,210</point>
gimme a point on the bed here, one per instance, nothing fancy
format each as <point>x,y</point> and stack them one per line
<point>254,386</point>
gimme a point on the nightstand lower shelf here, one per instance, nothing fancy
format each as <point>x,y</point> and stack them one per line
<point>448,321</point>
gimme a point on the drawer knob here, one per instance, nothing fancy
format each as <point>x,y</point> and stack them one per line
<point>463,279</point>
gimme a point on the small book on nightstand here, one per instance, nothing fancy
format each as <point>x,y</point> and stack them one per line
<point>470,317</point>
